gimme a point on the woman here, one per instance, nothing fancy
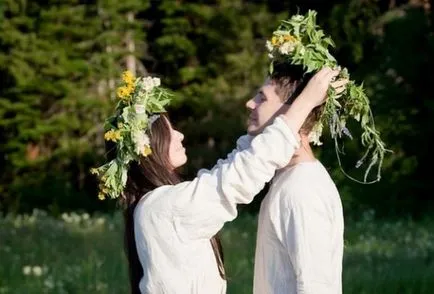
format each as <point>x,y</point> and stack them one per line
<point>169,224</point>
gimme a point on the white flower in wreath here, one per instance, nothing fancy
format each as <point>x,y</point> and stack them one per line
<point>287,48</point>
<point>298,17</point>
<point>152,119</point>
<point>315,134</point>
<point>140,141</point>
<point>269,46</point>
<point>140,108</point>
<point>149,83</point>
<point>156,82</point>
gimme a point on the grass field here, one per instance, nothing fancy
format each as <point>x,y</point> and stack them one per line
<point>77,253</point>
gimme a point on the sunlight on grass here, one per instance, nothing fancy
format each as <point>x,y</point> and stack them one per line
<point>79,253</point>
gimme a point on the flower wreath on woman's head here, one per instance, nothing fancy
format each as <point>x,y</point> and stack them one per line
<point>300,41</point>
<point>140,102</point>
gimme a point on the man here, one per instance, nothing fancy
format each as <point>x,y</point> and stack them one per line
<point>299,245</point>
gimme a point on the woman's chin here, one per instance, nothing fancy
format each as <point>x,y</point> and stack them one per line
<point>184,160</point>
<point>180,162</point>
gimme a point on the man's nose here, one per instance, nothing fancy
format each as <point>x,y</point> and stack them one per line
<point>251,104</point>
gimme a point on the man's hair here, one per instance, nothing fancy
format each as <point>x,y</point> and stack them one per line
<point>289,81</point>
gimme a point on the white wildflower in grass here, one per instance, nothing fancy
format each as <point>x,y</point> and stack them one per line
<point>31,219</point>
<point>37,271</point>
<point>65,217</point>
<point>49,283</point>
<point>100,221</point>
<point>18,221</point>
<point>38,212</point>
<point>75,218</point>
<point>27,270</point>
<point>101,286</point>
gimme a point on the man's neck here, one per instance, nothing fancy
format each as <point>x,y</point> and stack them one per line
<point>302,154</point>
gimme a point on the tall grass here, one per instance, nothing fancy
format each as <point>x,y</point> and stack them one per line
<point>76,253</point>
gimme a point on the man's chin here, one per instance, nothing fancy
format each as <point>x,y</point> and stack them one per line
<point>253,130</point>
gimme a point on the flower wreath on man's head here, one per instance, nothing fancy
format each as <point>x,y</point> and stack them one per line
<point>300,41</point>
<point>140,102</point>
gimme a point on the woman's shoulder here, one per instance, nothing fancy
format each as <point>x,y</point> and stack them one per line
<point>158,201</point>
<point>154,197</point>
<point>151,204</point>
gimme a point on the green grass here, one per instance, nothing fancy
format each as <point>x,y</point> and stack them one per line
<point>82,254</point>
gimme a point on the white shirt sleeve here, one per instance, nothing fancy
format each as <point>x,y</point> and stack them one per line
<point>243,143</point>
<point>201,207</point>
<point>306,232</point>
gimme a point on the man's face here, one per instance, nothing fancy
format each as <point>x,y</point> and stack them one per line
<point>262,108</point>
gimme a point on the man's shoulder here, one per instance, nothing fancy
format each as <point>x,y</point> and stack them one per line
<point>303,175</point>
<point>302,181</point>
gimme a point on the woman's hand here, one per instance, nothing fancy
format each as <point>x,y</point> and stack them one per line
<point>315,92</point>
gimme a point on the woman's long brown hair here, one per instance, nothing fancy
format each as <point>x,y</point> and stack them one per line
<point>151,172</point>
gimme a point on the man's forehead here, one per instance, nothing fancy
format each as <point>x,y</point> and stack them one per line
<point>268,84</point>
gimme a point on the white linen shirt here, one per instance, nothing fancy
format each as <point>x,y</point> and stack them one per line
<point>299,246</point>
<point>173,224</point>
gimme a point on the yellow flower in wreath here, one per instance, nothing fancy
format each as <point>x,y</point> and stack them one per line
<point>147,151</point>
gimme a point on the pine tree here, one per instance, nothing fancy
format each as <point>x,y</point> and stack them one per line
<point>213,55</point>
<point>60,64</point>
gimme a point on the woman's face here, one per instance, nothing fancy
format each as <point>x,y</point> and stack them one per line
<point>177,154</point>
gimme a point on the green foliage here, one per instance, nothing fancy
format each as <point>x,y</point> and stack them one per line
<point>395,80</point>
<point>211,56</point>
<point>141,100</point>
<point>59,63</point>
<point>300,41</point>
